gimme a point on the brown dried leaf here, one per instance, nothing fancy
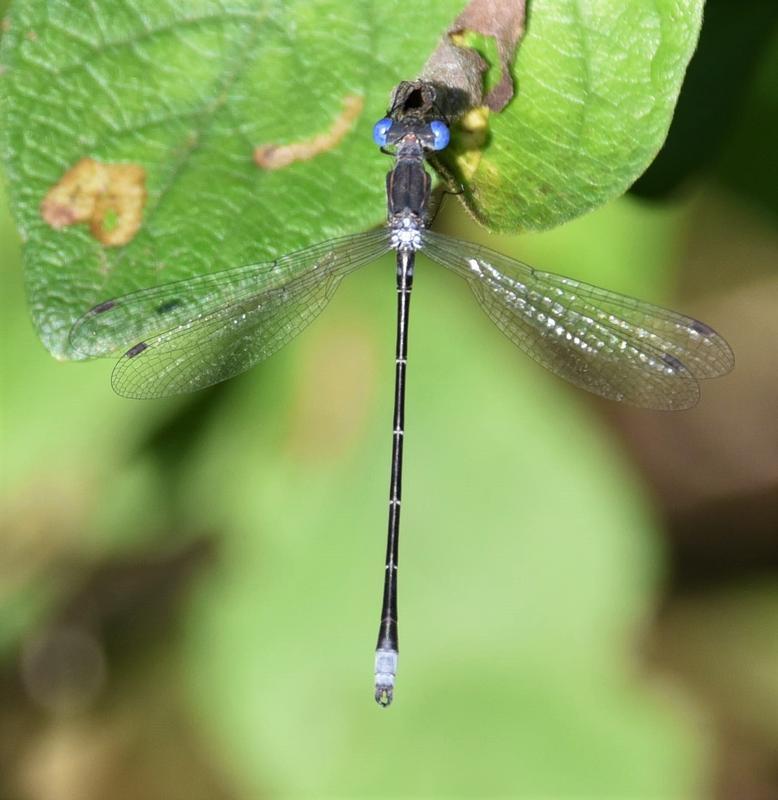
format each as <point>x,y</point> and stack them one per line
<point>460,69</point>
<point>504,20</point>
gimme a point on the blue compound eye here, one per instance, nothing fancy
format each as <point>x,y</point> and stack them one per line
<point>441,134</point>
<point>380,131</point>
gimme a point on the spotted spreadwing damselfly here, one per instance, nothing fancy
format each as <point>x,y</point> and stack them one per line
<point>189,334</point>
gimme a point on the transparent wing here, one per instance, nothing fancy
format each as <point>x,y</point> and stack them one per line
<point>224,343</point>
<point>608,343</point>
<point>193,333</point>
<point>115,324</point>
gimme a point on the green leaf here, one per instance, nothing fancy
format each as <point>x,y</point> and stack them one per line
<point>722,78</point>
<point>186,92</point>
<point>596,87</point>
<point>179,96</point>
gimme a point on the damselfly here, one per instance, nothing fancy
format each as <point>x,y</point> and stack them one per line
<point>193,333</point>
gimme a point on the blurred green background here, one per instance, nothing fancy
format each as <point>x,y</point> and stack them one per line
<point>189,589</point>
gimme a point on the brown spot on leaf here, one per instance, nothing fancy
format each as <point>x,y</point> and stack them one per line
<point>277,156</point>
<point>110,197</point>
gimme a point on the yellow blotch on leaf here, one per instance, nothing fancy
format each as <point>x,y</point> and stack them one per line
<point>472,133</point>
<point>109,197</point>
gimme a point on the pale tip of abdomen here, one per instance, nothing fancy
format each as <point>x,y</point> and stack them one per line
<point>385,672</point>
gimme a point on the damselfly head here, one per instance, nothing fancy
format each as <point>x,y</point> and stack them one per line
<point>433,135</point>
<point>414,122</point>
